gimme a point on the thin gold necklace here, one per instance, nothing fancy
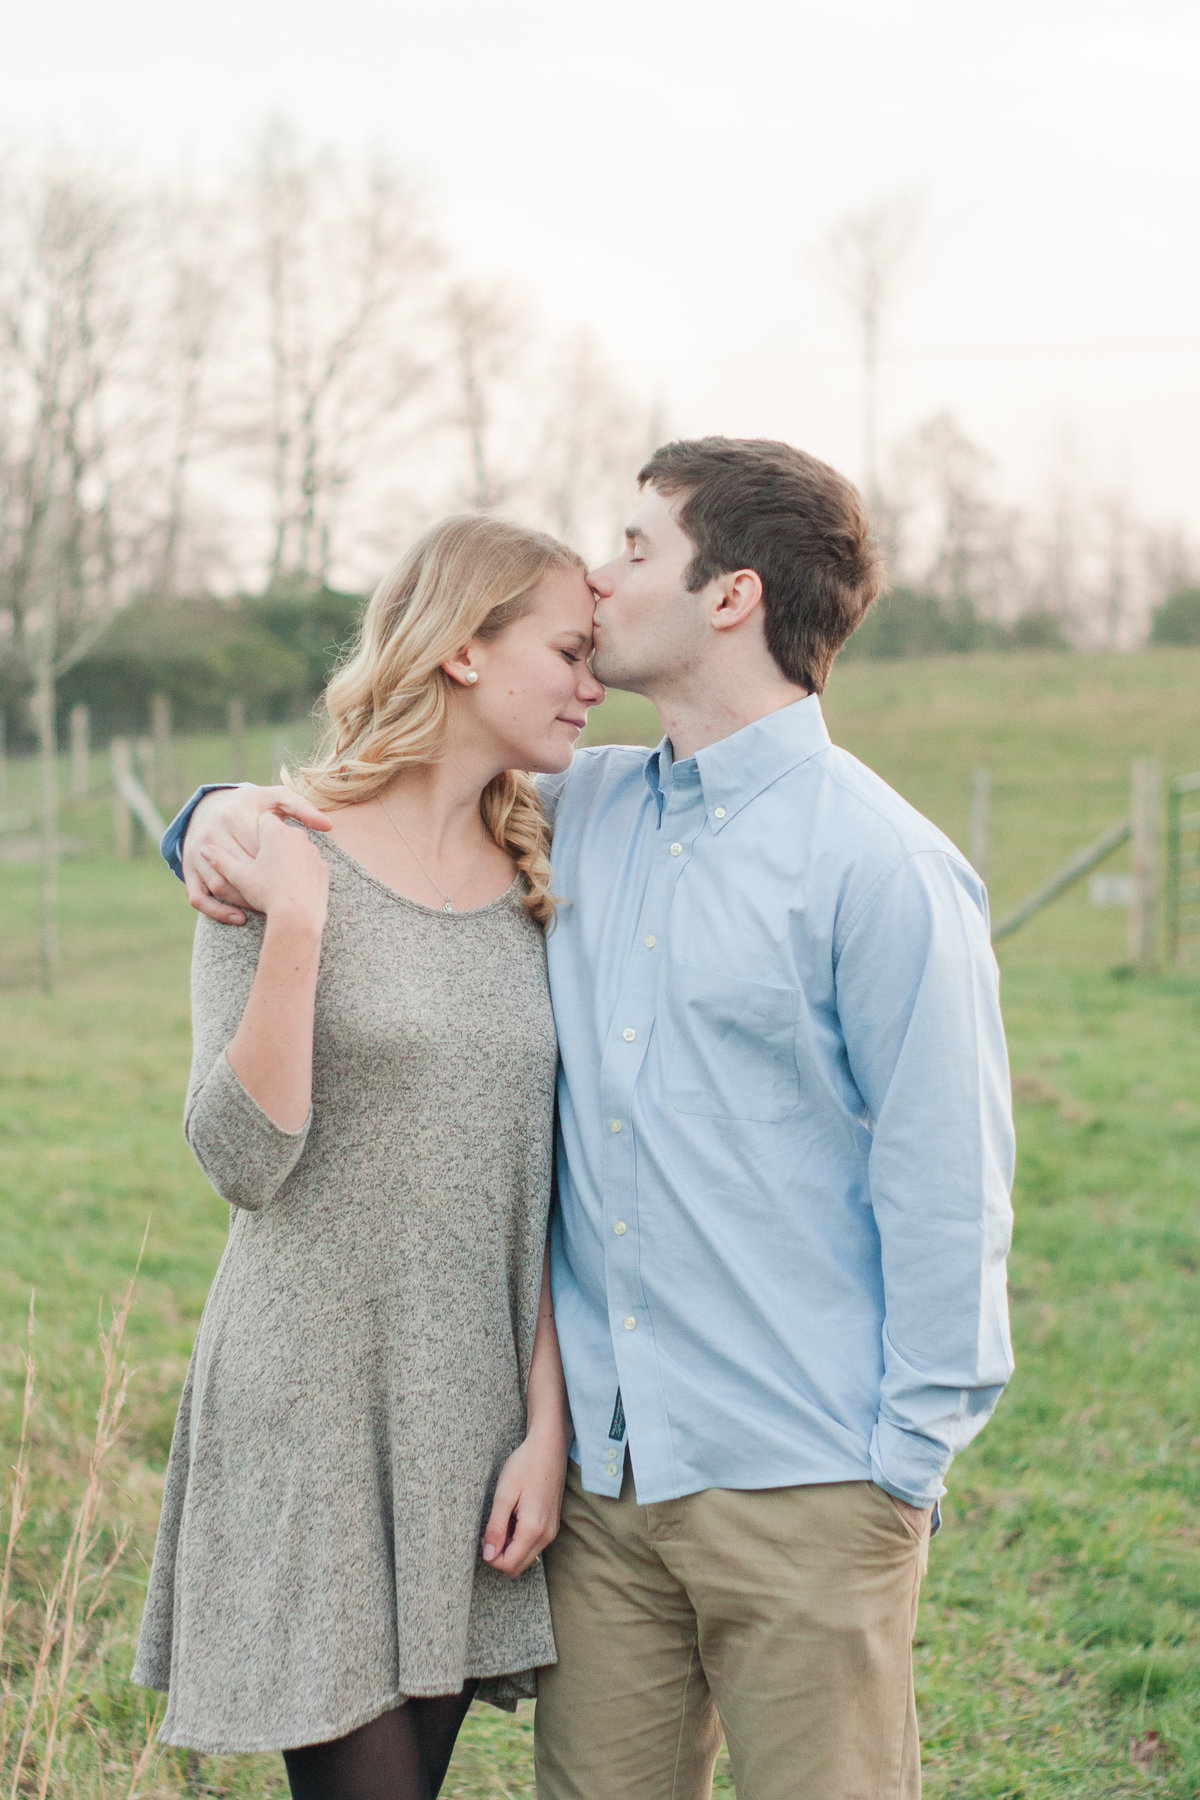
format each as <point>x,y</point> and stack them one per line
<point>447,899</point>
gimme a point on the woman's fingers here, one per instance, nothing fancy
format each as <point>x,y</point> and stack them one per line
<point>204,900</point>
<point>518,1531</point>
<point>222,867</point>
<point>294,806</point>
<point>532,1533</point>
<point>500,1522</point>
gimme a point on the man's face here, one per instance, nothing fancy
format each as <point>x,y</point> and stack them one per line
<point>648,628</point>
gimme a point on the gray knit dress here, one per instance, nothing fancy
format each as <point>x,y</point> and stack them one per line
<point>360,1371</point>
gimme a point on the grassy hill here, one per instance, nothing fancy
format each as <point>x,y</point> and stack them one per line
<point>1061,1620</point>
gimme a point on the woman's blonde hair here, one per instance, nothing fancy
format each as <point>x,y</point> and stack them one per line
<point>388,704</point>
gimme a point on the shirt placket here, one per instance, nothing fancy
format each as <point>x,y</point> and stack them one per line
<point>638,1414</point>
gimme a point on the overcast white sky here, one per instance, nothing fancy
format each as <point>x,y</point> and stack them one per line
<point>663,173</point>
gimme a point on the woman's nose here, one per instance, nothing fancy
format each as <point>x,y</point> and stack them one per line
<point>591,691</point>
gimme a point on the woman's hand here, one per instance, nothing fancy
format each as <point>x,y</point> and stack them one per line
<point>229,822</point>
<point>288,879</point>
<point>527,1504</point>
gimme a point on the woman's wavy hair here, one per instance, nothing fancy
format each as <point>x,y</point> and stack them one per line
<point>388,704</point>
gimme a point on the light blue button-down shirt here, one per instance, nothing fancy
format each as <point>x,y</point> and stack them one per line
<point>786,1142</point>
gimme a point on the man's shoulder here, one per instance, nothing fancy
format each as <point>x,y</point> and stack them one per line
<point>601,772</point>
<point>870,817</point>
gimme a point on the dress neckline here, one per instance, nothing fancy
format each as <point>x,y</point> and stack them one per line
<point>512,892</point>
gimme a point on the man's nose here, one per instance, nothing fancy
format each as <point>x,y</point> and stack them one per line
<point>601,580</point>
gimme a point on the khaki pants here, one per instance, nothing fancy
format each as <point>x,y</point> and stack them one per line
<point>783,1616</point>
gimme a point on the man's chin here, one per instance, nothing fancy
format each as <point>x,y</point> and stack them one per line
<point>613,675</point>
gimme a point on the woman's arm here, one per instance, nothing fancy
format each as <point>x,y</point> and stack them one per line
<point>524,1517</point>
<point>251,1089</point>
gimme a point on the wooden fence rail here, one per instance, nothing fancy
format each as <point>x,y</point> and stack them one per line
<point>1073,870</point>
<point>130,802</point>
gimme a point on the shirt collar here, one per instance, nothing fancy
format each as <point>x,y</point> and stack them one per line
<point>735,770</point>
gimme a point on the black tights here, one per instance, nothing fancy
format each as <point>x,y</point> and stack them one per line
<point>403,1755</point>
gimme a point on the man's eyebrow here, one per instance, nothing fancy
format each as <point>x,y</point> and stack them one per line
<point>634,532</point>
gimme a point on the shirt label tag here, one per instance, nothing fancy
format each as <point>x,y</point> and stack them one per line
<point>617,1428</point>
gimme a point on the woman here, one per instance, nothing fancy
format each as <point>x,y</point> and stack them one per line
<point>376,1374</point>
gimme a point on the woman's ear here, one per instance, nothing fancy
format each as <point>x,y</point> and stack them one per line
<point>459,667</point>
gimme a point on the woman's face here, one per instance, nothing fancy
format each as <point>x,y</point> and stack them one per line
<point>535,686</point>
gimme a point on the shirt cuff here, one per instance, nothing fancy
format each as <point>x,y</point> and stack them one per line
<point>907,1465</point>
<point>171,847</point>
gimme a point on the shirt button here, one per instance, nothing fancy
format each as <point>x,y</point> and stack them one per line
<point>718,812</point>
<point>620,1228</point>
<point>630,1323</point>
<point>676,849</point>
<point>614,1124</point>
<point>629,1034</point>
<point>651,941</point>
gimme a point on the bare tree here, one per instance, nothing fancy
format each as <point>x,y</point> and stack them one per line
<point>487,343</point>
<point>1118,583</point>
<point>593,440</point>
<point>961,541</point>
<point>196,298</point>
<point>864,255</point>
<point>66,318</point>
<point>343,255</point>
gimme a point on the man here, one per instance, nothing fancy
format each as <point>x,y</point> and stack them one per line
<point>784,1168</point>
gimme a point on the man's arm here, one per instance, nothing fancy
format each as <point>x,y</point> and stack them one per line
<point>226,817</point>
<point>918,997</point>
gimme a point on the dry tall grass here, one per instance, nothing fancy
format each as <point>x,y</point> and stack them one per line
<point>53,1637</point>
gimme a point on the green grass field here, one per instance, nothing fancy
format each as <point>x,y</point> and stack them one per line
<point>1060,1626</point>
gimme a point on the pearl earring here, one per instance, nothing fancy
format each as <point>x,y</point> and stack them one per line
<point>472,676</point>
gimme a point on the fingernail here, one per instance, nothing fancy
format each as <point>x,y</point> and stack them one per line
<point>489,1553</point>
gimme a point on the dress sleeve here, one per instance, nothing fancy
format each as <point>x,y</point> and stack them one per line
<point>246,1156</point>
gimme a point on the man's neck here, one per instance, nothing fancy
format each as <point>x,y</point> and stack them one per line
<point>693,722</point>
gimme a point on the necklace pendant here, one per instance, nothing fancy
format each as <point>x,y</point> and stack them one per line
<point>449,906</point>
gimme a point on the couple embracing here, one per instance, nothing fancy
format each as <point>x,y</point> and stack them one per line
<point>668,1451</point>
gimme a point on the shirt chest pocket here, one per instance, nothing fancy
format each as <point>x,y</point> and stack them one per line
<point>728,1046</point>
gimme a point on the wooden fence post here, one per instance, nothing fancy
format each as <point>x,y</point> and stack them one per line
<point>237,739</point>
<point>979,830</point>
<point>161,780</point>
<point>1145,806</point>
<point>80,752</point>
<point>122,764</point>
<point>146,759</point>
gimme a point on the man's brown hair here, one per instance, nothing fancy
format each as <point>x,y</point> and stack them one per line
<point>751,503</point>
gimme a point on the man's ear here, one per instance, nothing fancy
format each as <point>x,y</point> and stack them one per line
<point>736,596</point>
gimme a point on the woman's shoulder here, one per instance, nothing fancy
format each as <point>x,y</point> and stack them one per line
<point>217,946</point>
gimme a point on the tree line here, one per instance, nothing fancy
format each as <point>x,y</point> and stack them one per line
<point>223,406</point>
<point>257,387</point>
